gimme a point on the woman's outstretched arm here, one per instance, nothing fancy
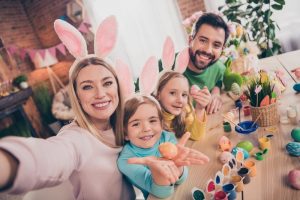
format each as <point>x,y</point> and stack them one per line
<point>8,169</point>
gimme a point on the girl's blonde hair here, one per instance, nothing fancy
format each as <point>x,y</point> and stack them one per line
<point>179,123</point>
<point>81,117</point>
<point>132,104</point>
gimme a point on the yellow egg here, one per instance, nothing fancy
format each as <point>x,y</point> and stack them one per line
<point>168,150</point>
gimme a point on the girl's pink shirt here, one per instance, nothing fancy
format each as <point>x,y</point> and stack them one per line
<point>73,154</point>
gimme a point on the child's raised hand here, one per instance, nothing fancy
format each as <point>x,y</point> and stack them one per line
<point>202,97</point>
<point>187,156</point>
<point>164,172</point>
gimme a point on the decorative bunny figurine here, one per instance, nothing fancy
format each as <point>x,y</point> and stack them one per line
<point>105,39</point>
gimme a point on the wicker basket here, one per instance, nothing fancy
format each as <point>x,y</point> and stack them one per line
<point>268,115</point>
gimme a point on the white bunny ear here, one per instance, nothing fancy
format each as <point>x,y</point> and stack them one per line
<point>71,38</point>
<point>125,78</point>
<point>168,54</point>
<point>105,37</point>
<point>149,76</point>
<point>182,60</point>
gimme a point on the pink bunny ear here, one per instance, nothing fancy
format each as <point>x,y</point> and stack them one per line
<point>125,78</point>
<point>71,38</point>
<point>168,54</point>
<point>149,76</point>
<point>105,37</point>
<point>182,60</point>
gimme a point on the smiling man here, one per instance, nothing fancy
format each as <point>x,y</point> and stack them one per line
<point>205,47</point>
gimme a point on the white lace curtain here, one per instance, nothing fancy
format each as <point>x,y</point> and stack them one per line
<point>143,27</point>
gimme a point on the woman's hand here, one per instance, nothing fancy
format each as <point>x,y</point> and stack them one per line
<point>164,172</point>
<point>8,169</point>
<point>187,156</point>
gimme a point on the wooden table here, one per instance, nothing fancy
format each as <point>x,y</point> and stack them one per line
<point>271,180</point>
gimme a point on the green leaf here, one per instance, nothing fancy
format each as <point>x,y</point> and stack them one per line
<point>277,6</point>
<point>266,1</point>
<point>281,2</point>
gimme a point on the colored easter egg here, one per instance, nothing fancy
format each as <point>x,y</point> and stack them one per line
<point>236,149</point>
<point>235,89</point>
<point>247,145</point>
<point>168,150</point>
<point>296,134</point>
<point>194,89</point>
<point>225,156</point>
<point>296,87</point>
<point>294,178</point>
<point>293,148</point>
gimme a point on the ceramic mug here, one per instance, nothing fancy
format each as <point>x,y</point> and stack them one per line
<point>249,164</point>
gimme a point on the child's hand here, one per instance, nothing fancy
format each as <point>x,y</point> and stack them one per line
<point>164,172</point>
<point>187,156</point>
<point>202,97</point>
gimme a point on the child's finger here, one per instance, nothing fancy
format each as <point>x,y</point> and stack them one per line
<point>138,161</point>
<point>198,155</point>
<point>184,138</point>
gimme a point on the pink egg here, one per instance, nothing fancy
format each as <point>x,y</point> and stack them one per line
<point>294,178</point>
<point>194,89</point>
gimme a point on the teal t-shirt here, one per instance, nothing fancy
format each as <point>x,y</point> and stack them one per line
<point>210,77</point>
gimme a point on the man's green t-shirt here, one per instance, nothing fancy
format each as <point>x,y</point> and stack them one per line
<point>210,77</point>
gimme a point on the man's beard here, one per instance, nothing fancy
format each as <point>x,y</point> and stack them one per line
<point>196,64</point>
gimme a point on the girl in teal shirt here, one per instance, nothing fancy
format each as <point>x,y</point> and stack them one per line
<point>140,160</point>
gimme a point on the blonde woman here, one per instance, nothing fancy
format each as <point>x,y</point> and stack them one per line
<point>85,151</point>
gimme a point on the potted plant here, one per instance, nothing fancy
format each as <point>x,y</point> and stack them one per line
<point>257,17</point>
<point>260,92</point>
<point>43,101</point>
<point>21,81</point>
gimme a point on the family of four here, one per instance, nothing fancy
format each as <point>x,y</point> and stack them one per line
<point>111,136</point>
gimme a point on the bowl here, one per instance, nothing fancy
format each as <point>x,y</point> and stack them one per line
<point>247,127</point>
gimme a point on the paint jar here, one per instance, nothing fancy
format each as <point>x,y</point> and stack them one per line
<point>226,126</point>
<point>238,182</point>
<point>249,164</point>
<point>230,190</point>
<point>220,195</point>
<point>264,143</point>
<point>246,110</point>
<point>244,172</point>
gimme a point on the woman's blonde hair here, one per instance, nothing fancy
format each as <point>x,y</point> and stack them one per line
<point>179,123</point>
<point>132,104</point>
<point>81,117</point>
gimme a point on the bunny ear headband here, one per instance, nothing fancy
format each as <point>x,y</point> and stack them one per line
<point>105,38</point>
<point>150,74</point>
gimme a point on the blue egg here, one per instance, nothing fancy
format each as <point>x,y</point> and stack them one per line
<point>297,87</point>
<point>236,149</point>
<point>293,148</point>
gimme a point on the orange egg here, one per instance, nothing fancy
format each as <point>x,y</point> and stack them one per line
<point>168,150</point>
